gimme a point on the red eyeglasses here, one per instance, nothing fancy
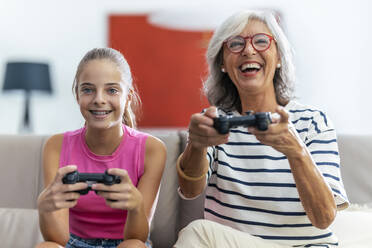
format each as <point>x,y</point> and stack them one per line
<point>260,42</point>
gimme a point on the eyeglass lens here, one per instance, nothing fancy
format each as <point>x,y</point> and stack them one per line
<point>260,42</point>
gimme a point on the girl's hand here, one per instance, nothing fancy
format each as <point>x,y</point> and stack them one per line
<point>201,131</point>
<point>121,196</point>
<point>281,134</point>
<point>57,195</point>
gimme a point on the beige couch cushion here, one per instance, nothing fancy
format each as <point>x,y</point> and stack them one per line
<point>353,227</point>
<point>165,219</point>
<point>356,166</point>
<point>20,166</point>
<point>19,226</point>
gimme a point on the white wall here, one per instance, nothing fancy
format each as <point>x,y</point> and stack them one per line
<point>332,74</point>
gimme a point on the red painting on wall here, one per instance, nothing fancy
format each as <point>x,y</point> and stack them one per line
<point>168,67</point>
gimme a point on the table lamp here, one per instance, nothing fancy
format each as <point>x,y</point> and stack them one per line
<point>28,77</point>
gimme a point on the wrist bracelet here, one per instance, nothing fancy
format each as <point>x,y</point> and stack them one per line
<point>186,177</point>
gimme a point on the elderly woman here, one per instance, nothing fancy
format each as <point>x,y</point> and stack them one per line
<point>275,188</point>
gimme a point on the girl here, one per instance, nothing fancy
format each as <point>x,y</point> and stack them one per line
<point>117,215</point>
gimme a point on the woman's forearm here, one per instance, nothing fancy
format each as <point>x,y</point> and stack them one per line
<point>315,194</point>
<point>194,164</point>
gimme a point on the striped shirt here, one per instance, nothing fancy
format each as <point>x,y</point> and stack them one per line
<point>251,187</point>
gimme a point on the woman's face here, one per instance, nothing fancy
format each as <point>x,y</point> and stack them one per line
<point>101,94</point>
<point>251,71</point>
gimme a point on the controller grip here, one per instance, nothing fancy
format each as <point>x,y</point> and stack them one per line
<point>263,121</point>
<point>221,124</point>
<point>262,126</point>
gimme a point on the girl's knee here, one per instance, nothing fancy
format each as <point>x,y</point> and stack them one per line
<point>48,244</point>
<point>132,243</point>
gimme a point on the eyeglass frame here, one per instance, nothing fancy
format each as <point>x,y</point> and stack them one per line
<point>271,38</point>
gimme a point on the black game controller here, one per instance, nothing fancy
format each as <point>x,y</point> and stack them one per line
<point>90,178</point>
<point>261,120</point>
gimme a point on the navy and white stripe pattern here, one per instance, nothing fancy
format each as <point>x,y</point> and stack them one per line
<point>251,187</point>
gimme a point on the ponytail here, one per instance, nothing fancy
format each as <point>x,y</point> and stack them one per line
<point>131,109</point>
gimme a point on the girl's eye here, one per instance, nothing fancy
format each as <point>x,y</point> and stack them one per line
<point>86,90</point>
<point>113,91</point>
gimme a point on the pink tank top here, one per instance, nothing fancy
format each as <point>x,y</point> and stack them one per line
<point>91,217</point>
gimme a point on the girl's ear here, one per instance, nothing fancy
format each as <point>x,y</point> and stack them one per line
<point>130,95</point>
<point>129,98</point>
<point>76,92</point>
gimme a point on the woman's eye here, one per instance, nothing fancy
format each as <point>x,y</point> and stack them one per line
<point>236,44</point>
<point>262,41</point>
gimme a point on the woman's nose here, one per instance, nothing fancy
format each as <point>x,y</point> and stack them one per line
<point>248,49</point>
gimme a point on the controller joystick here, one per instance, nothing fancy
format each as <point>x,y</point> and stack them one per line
<point>261,120</point>
<point>90,178</point>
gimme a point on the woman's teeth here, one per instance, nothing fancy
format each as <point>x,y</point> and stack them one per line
<point>253,66</point>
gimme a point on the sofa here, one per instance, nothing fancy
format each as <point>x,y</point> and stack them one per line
<point>21,183</point>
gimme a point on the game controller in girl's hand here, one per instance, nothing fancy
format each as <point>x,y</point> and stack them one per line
<point>90,178</point>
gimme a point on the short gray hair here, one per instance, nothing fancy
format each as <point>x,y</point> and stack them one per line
<point>218,86</point>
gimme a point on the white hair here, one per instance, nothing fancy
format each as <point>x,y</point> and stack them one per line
<point>219,88</point>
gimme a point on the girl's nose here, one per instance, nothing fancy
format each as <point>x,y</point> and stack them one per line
<point>99,98</point>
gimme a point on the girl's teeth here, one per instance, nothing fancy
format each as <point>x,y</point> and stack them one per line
<point>100,112</point>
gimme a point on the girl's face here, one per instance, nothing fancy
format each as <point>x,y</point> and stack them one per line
<point>101,94</point>
<point>252,71</point>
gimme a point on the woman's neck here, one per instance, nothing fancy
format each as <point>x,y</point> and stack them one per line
<point>259,102</point>
<point>103,142</point>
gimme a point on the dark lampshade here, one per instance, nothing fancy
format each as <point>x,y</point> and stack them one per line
<point>27,76</point>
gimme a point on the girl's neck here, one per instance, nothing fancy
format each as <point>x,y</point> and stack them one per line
<point>104,142</point>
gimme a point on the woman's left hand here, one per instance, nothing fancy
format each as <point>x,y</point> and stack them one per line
<point>281,134</point>
<point>123,195</point>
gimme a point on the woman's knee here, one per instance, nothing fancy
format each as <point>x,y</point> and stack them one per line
<point>197,225</point>
<point>132,243</point>
<point>48,244</point>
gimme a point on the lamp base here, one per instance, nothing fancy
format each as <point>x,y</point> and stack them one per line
<point>25,129</point>
<point>26,124</point>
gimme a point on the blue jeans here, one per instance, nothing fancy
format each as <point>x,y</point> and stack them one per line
<point>77,242</point>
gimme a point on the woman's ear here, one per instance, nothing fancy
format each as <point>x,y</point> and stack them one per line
<point>223,68</point>
<point>278,64</point>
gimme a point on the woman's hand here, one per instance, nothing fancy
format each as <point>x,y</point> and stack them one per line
<point>201,131</point>
<point>281,134</point>
<point>57,195</point>
<point>123,195</point>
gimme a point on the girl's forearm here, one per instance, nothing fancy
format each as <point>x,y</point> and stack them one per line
<point>137,225</point>
<point>54,227</point>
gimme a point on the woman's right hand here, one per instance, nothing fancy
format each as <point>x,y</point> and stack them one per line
<point>57,195</point>
<point>201,131</point>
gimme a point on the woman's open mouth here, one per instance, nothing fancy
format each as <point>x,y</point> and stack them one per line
<point>250,69</point>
